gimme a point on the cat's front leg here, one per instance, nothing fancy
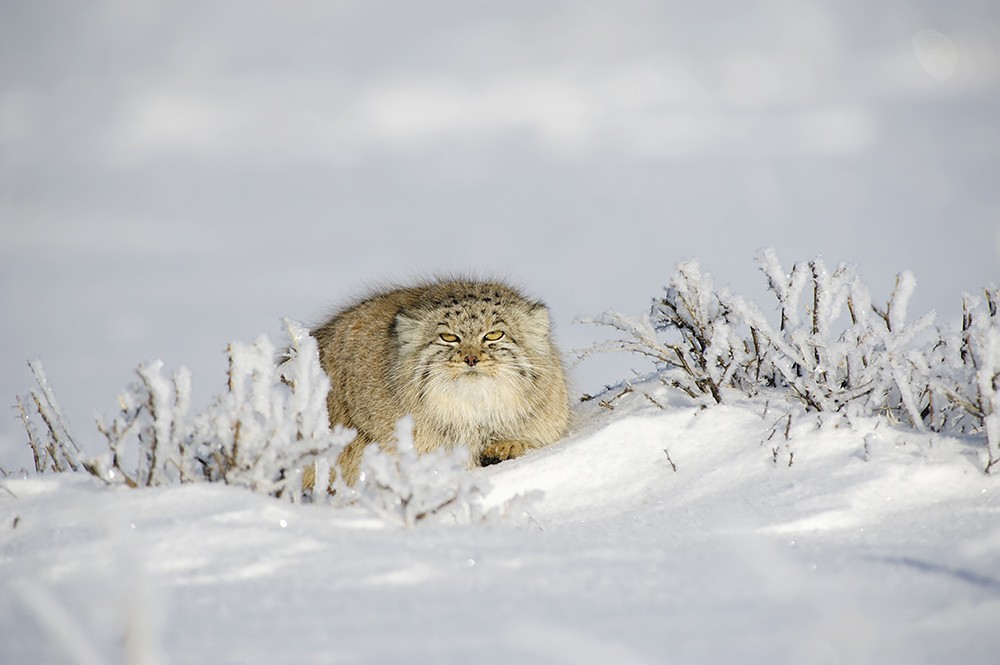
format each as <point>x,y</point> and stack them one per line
<point>498,451</point>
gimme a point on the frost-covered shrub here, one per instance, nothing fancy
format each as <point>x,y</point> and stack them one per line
<point>260,433</point>
<point>831,350</point>
<point>830,347</point>
<point>150,433</point>
<point>708,354</point>
<point>53,448</point>
<point>409,488</point>
<point>961,374</point>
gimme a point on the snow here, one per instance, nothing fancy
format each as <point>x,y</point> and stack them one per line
<point>849,544</point>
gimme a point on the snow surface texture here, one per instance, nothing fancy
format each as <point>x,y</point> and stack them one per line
<point>668,533</point>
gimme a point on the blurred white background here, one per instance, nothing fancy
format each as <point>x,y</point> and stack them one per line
<point>176,175</point>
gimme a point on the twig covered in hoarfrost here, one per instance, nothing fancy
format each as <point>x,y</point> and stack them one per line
<point>55,450</point>
<point>705,357</point>
<point>863,366</point>
<point>409,488</point>
<point>979,348</point>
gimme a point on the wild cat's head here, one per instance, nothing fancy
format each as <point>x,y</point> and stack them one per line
<point>466,332</point>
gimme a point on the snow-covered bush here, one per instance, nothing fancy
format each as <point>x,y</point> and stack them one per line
<point>832,349</point>
<point>708,354</point>
<point>53,448</point>
<point>260,433</point>
<point>961,374</point>
<point>409,488</point>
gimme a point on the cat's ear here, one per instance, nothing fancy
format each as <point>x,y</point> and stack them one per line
<point>406,331</point>
<point>405,326</point>
<point>538,318</point>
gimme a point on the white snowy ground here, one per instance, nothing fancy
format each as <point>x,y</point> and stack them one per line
<point>731,558</point>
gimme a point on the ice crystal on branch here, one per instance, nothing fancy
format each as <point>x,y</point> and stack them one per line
<point>54,448</point>
<point>148,441</point>
<point>962,374</point>
<point>409,488</point>
<point>707,354</point>
<point>826,362</point>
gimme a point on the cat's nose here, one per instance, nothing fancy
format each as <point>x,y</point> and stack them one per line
<point>471,360</point>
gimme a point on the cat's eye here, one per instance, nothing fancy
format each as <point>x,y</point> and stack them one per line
<point>449,338</point>
<point>493,335</point>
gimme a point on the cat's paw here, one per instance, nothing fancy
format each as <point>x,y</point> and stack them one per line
<point>502,450</point>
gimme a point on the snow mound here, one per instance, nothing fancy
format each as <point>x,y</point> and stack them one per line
<point>665,532</point>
